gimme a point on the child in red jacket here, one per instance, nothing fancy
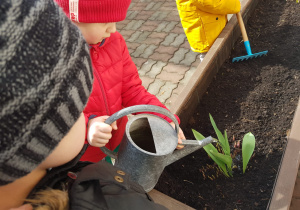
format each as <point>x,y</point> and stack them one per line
<point>117,83</point>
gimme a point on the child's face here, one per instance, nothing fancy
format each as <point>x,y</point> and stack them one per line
<point>96,32</point>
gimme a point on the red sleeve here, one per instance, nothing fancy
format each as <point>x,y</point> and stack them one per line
<point>133,92</point>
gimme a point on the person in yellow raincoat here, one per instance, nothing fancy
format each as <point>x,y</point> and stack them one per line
<point>204,20</point>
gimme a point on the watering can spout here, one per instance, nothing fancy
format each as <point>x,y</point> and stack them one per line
<point>190,147</point>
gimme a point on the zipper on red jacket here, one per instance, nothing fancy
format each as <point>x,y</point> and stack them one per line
<point>103,92</point>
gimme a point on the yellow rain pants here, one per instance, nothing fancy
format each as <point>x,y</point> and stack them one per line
<point>204,20</point>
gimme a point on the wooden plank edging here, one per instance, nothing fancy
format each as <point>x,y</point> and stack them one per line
<point>284,187</point>
<point>167,201</point>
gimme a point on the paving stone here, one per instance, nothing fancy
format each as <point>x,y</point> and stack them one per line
<point>132,4</point>
<point>144,15</point>
<point>175,68</point>
<point>149,6</point>
<point>147,28</point>
<point>139,50</point>
<point>170,4</point>
<point>157,6</point>
<point>158,35</point>
<point>130,51</point>
<point>161,57</point>
<point>197,62</point>
<point>139,62</point>
<point>156,69</point>
<point>126,37</point>
<point>143,36</point>
<point>127,33</point>
<point>172,17</point>
<point>148,51</point>
<point>169,39</point>
<point>189,58</point>
<point>166,91</point>
<point>164,8</point>
<point>122,24</point>
<point>166,49</point>
<point>170,101</point>
<point>153,41</point>
<point>159,15</point>
<point>185,44</point>
<point>161,26</point>
<point>174,13</point>
<point>178,89</point>
<point>188,75</point>
<point>179,40</point>
<point>179,55</point>
<point>178,29</point>
<point>152,22</point>
<point>138,8</point>
<point>170,26</point>
<point>146,81</point>
<point>140,3</point>
<point>146,1</point>
<point>132,45</point>
<point>134,36</point>
<point>131,15</point>
<point>154,16</point>
<point>173,77</point>
<point>134,25</point>
<point>155,86</point>
<point>146,67</point>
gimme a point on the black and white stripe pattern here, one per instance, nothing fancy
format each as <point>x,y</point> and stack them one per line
<point>45,81</point>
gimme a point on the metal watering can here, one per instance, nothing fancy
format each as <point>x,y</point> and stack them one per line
<point>148,144</point>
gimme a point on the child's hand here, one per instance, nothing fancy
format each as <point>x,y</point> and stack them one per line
<point>180,136</point>
<point>99,132</point>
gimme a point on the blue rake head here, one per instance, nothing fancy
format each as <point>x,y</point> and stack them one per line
<point>249,52</point>
<point>246,57</point>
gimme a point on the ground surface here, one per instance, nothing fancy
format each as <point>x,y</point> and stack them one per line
<point>260,96</point>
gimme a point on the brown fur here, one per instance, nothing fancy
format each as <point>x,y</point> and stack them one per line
<point>50,199</point>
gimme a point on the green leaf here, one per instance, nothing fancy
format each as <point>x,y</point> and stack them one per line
<point>224,145</point>
<point>208,148</point>
<point>248,146</point>
<point>223,158</point>
<point>226,159</point>
<point>198,135</point>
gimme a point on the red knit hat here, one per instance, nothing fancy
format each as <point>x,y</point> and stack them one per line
<point>95,11</point>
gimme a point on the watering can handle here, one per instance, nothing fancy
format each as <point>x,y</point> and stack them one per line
<point>135,109</point>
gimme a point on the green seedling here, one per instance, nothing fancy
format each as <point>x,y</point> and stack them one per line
<point>248,146</point>
<point>224,158</point>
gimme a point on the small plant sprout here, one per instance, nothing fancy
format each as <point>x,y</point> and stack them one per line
<point>248,146</point>
<point>224,158</point>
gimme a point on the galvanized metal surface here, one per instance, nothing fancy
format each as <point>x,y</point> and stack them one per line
<point>148,144</point>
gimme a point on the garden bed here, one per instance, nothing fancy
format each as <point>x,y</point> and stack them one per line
<point>259,95</point>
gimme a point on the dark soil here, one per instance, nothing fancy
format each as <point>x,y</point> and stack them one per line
<point>258,96</point>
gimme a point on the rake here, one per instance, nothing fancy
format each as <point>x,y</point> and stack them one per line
<point>246,43</point>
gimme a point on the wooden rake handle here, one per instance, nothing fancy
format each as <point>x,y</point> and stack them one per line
<point>242,26</point>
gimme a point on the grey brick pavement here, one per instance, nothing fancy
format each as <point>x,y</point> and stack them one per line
<point>159,47</point>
